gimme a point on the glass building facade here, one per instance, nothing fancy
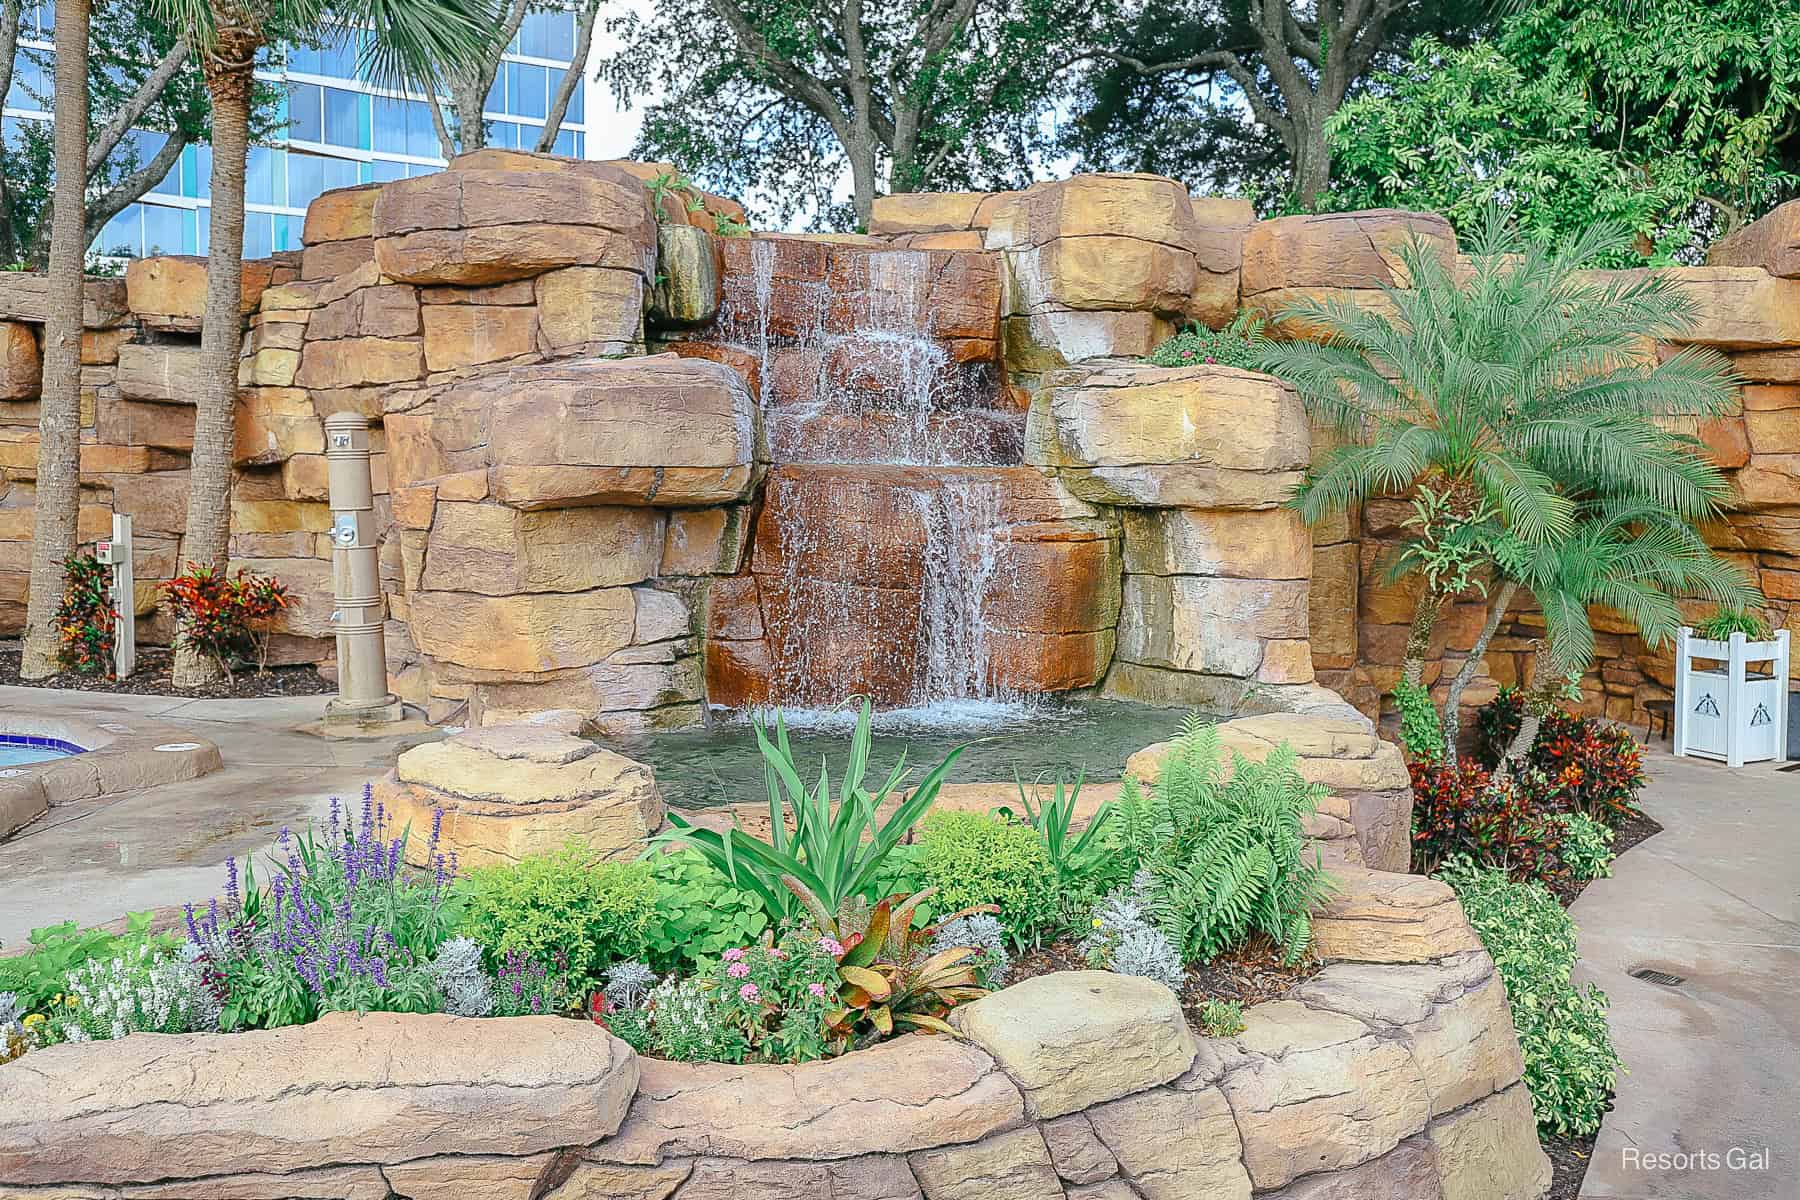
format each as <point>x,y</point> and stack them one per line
<point>334,130</point>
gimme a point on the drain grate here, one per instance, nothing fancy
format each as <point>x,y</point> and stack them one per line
<point>1660,978</point>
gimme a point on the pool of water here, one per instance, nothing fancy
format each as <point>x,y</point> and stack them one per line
<point>17,750</point>
<point>1040,738</point>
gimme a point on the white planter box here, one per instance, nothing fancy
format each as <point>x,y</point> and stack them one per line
<point>1724,712</point>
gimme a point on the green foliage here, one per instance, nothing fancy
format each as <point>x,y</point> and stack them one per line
<point>1421,732</point>
<point>36,976</point>
<point>893,976</point>
<point>1085,865</point>
<point>1676,120</point>
<point>1570,1064</point>
<point>566,903</point>
<point>1587,846</point>
<point>1240,344</point>
<point>1729,620</point>
<point>975,859</point>
<point>727,226</point>
<point>1225,857</point>
<point>672,185</point>
<point>699,913</point>
<point>1221,1018</point>
<point>836,850</point>
<point>86,616</point>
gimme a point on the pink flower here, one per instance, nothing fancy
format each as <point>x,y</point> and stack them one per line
<point>831,946</point>
<point>733,955</point>
<point>777,953</point>
<point>750,992</point>
<point>738,970</point>
<point>817,989</point>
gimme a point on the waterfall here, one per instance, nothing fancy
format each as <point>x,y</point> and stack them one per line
<point>961,519</point>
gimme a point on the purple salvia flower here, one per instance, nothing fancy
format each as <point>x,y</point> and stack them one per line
<point>437,827</point>
<point>192,929</point>
<point>231,881</point>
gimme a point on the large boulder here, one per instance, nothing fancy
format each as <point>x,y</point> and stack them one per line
<point>1187,437</point>
<point>1336,255</point>
<point>498,217</point>
<point>1074,1039</point>
<point>662,431</point>
<point>1771,242</point>
<point>509,791</point>
<point>393,1087</point>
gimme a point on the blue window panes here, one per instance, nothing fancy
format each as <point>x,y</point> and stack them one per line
<point>336,57</point>
<point>527,90</point>
<point>504,134</point>
<point>306,114</point>
<point>39,20</point>
<point>344,122</point>
<point>577,113</point>
<point>168,230</point>
<point>124,234</point>
<point>388,126</point>
<point>565,143</point>
<point>496,97</point>
<point>285,230</point>
<point>196,172</point>
<point>414,170</point>
<point>421,133</point>
<point>310,174</point>
<point>386,170</point>
<point>259,234</point>
<point>265,176</point>
<point>202,229</point>
<point>547,34</point>
<point>33,77</point>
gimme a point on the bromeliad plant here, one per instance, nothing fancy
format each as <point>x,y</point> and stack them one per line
<point>226,617</point>
<point>824,865</point>
<point>890,976</point>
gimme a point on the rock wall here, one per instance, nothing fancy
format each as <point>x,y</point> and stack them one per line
<point>1393,1072</point>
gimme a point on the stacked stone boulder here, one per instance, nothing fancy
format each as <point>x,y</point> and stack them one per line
<point>1392,1072</point>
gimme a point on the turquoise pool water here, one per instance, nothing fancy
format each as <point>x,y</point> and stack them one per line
<point>18,751</point>
<point>1040,738</point>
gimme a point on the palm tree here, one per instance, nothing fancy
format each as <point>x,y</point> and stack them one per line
<point>1518,389</point>
<point>59,406</point>
<point>415,43</point>
<point>1633,558</point>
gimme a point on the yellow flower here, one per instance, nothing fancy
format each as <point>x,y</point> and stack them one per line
<point>72,1000</point>
<point>1098,922</point>
<point>33,1019</point>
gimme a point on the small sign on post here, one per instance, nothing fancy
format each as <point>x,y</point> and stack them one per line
<point>116,553</point>
<point>1722,710</point>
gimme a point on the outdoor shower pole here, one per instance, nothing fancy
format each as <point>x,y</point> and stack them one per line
<point>362,697</point>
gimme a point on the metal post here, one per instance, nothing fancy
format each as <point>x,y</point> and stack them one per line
<point>362,697</point>
<point>117,553</point>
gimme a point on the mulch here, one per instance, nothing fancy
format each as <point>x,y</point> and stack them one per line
<point>1248,974</point>
<point>151,678</point>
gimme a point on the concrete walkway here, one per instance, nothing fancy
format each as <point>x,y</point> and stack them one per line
<point>97,859</point>
<point>1715,1060</point>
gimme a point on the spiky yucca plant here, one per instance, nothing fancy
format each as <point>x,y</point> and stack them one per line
<point>1226,852</point>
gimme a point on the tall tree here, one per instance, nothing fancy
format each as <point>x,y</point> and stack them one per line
<point>778,99</point>
<point>146,104</point>
<point>414,43</point>
<point>463,129</point>
<point>1171,82</point>
<point>1680,120</point>
<point>54,520</point>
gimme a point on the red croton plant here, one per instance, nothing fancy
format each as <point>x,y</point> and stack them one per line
<point>226,616</point>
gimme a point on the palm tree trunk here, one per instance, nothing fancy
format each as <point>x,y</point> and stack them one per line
<point>229,81</point>
<point>55,522</point>
<point>1418,638</point>
<point>1534,701</point>
<point>1452,722</point>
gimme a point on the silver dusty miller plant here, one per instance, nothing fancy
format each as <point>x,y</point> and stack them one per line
<point>985,934</point>
<point>1122,937</point>
<point>468,990</point>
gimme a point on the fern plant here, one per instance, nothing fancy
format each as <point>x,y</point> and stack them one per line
<point>1226,853</point>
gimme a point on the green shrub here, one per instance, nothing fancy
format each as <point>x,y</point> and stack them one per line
<point>549,906</point>
<point>973,858</point>
<point>1221,1018</point>
<point>1570,1064</point>
<point>1721,625</point>
<point>1239,344</point>
<point>699,914</point>
<point>1226,858</point>
<point>38,975</point>
<point>1587,846</point>
<point>1421,731</point>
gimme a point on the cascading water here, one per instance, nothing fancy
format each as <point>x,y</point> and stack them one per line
<point>882,555</point>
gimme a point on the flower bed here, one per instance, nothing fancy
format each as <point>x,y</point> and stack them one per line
<point>1394,1068</point>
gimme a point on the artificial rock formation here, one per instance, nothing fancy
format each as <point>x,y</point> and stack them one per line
<point>499,794</point>
<point>1374,1078</point>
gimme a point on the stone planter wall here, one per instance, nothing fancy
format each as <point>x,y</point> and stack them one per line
<point>1392,1073</point>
